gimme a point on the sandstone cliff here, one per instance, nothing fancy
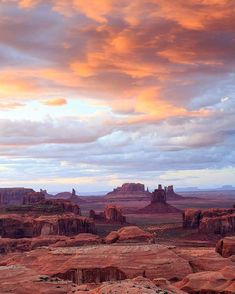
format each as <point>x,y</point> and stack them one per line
<point>17,226</point>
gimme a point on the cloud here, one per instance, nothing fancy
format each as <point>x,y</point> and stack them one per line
<point>54,102</point>
<point>158,67</point>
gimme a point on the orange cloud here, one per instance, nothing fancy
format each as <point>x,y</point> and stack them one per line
<point>55,102</point>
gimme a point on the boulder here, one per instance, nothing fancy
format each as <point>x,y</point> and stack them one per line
<point>226,246</point>
<point>222,281</point>
<point>129,234</point>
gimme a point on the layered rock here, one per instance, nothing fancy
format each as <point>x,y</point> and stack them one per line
<point>32,198</point>
<point>133,260</point>
<point>16,226</point>
<point>111,214</point>
<point>222,281</point>
<point>70,196</point>
<point>226,246</point>
<point>129,234</point>
<point>158,203</point>
<point>8,245</point>
<point>216,221</point>
<point>49,206</point>
<point>128,191</point>
<point>191,218</point>
<point>13,196</point>
<point>138,285</point>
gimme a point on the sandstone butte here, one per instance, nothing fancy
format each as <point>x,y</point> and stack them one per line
<point>130,191</point>
<point>111,214</point>
<point>158,203</point>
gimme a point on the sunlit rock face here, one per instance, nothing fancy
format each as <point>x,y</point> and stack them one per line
<point>111,214</point>
<point>216,220</point>
<point>17,226</point>
<point>226,246</point>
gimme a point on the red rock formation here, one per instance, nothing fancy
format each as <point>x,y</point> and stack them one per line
<point>226,246</point>
<point>16,226</point>
<point>13,196</point>
<point>158,203</point>
<point>216,221</point>
<point>191,218</point>
<point>52,206</point>
<point>138,285</point>
<point>70,196</point>
<point>222,281</point>
<point>171,195</point>
<point>133,260</point>
<point>32,198</point>
<point>129,191</point>
<point>129,234</point>
<point>8,245</point>
<point>111,214</point>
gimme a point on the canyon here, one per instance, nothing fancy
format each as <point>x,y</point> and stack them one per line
<point>53,244</point>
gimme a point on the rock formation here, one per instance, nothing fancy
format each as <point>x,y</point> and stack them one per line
<point>32,198</point>
<point>222,281</point>
<point>138,285</point>
<point>8,245</point>
<point>129,234</point>
<point>13,196</point>
<point>111,214</point>
<point>226,246</point>
<point>132,260</point>
<point>48,206</point>
<point>129,191</point>
<point>158,203</point>
<point>18,226</point>
<point>171,195</point>
<point>216,221</point>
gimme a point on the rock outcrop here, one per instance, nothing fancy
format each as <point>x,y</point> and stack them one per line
<point>129,234</point>
<point>8,245</point>
<point>216,221</point>
<point>138,285</point>
<point>13,196</point>
<point>17,226</point>
<point>128,191</point>
<point>158,203</point>
<point>226,246</point>
<point>222,281</point>
<point>171,195</point>
<point>32,198</point>
<point>111,214</point>
<point>133,260</point>
<point>48,206</point>
<point>191,218</point>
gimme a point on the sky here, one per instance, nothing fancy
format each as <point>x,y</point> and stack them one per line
<point>97,93</point>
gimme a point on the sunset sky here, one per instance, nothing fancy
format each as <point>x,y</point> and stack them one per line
<point>99,92</point>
